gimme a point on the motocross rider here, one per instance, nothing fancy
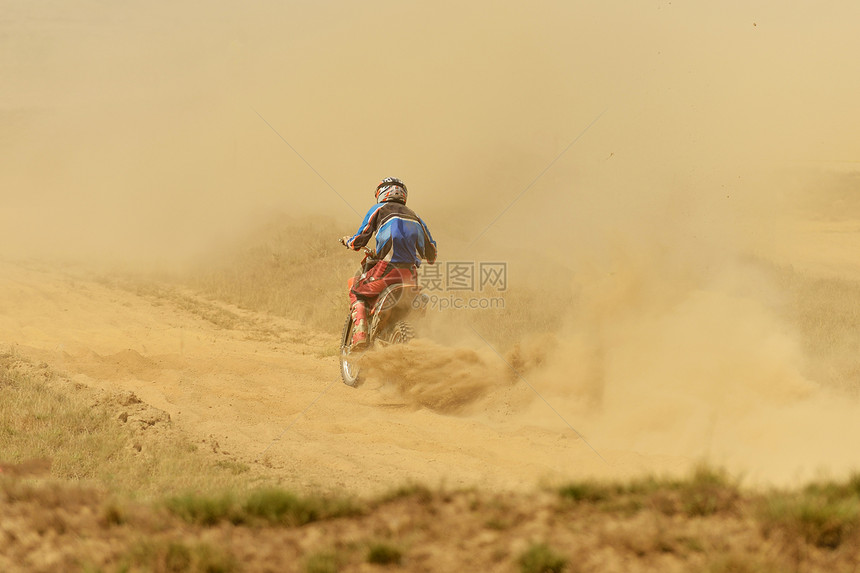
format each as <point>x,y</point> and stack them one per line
<point>402,240</point>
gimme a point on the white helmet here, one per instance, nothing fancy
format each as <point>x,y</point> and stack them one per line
<point>391,189</point>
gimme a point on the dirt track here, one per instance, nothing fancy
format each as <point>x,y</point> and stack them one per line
<point>266,393</point>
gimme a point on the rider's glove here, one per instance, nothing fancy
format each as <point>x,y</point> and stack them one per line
<point>345,241</point>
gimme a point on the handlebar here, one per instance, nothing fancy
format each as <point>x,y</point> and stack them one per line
<point>369,252</point>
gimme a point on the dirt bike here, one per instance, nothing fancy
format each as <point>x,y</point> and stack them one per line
<point>389,319</point>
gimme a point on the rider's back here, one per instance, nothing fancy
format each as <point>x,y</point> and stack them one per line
<point>401,236</point>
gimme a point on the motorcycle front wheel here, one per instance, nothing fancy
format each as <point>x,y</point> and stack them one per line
<point>348,369</point>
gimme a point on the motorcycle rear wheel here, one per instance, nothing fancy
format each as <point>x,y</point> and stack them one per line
<point>401,333</point>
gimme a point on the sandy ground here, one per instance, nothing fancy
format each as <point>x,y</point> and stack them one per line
<point>268,393</point>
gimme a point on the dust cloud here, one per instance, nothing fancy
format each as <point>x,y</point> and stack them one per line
<point>149,131</point>
<point>427,374</point>
<point>649,158</point>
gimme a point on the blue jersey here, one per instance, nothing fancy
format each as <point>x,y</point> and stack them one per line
<point>401,236</point>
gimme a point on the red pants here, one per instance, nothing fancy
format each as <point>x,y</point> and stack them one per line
<point>381,276</point>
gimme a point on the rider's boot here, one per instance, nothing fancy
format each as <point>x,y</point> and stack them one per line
<point>359,325</point>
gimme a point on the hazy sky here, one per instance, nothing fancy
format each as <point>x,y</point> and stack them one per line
<point>130,129</point>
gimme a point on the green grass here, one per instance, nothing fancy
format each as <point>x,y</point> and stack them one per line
<point>706,491</point>
<point>278,506</point>
<point>589,491</point>
<point>835,490</point>
<point>205,509</point>
<point>272,506</point>
<point>384,553</point>
<point>540,558</point>
<point>826,515</point>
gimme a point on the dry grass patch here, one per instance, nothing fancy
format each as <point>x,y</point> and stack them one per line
<point>38,419</point>
<point>179,557</point>
<point>323,562</point>
<point>76,433</point>
<point>290,268</point>
<point>825,515</point>
<point>742,562</point>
